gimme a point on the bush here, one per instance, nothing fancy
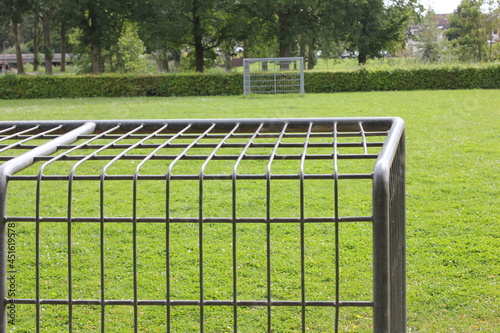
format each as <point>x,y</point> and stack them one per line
<point>399,79</point>
<point>22,87</point>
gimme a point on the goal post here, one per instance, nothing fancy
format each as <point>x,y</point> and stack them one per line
<point>273,75</point>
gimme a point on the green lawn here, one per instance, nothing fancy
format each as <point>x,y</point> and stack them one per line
<point>453,201</point>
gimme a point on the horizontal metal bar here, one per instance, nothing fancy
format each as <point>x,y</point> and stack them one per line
<point>228,145</point>
<point>216,157</point>
<point>190,219</point>
<point>191,302</point>
<point>193,177</point>
<point>379,124</point>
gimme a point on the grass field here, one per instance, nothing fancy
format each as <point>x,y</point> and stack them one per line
<point>453,190</point>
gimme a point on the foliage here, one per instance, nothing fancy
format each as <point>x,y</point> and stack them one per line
<point>374,28</point>
<point>433,47</point>
<point>232,84</point>
<point>467,31</point>
<point>100,24</point>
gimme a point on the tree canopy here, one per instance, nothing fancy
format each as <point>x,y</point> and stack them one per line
<point>102,31</point>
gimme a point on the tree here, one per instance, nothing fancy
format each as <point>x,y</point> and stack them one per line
<point>467,32</point>
<point>100,22</point>
<point>202,25</point>
<point>162,29</point>
<point>429,35</point>
<point>492,22</point>
<point>13,10</point>
<point>125,55</point>
<point>374,28</point>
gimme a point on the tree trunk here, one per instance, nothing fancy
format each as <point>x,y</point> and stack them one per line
<point>362,58</point>
<point>302,47</point>
<point>46,43</point>
<point>311,56</point>
<point>36,49</point>
<point>63,48</point>
<point>17,44</point>
<point>95,45</point>
<point>284,39</point>
<point>198,38</point>
<point>95,57</point>
<point>162,60</point>
<point>198,45</point>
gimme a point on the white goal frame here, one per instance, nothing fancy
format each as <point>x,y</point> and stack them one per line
<point>273,75</point>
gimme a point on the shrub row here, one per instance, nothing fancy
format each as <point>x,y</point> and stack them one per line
<point>399,79</point>
<point>22,87</point>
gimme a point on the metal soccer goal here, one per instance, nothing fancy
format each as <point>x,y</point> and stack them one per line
<point>203,225</point>
<point>273,75</point>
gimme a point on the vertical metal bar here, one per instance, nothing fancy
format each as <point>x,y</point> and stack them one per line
<point>69,216</point>
<point>101,254</point>
<point>167,224</point>
<point>201,256</point>
<point>268,225</point>
<point>134,219</point>
<point>302,88</point>
<point>336,205</point>
<point>169,175</point>
<point>234,229</point>
<point>247,88</point>
<point>168,179</point>
<point>302,231</point>
<point>201,178</point>
<point>37,255</point>
<point>70,255</point>
<point>101,230</point>
<point>381,232</point>
<point>37,247</point>
<point>167,254</point>
<point>134,251</point>
<point>37,239</point>
<point>134,215</point>
<point>363,137</point>
<point>274,78</point>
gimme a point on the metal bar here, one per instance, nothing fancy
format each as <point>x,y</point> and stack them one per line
<point>14,145</point>
<point>381,232</point>
<point>268,226</point>
<point>7,129</point>
<point>195,177</point>
<point>12,136</point>
<point>363,138</point>
<point>200,210</point>
<point>194,302</point>
<point>134,222</point>
<point>330,219</point>
<point>167,225</point>
<point>168,177</point>
<point>101,232</point>
<point>302,231</point>
<point>234,226</point>
<point>336,208</point>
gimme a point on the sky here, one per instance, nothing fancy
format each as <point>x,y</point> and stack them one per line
<point>441,6</point>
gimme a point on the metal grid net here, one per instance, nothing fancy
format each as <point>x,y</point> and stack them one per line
<point>273,75</point>
<point>192,226</point>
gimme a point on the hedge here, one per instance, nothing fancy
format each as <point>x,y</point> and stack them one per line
<point>42,86</point>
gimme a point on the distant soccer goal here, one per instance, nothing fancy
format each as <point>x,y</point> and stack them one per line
<point>273,75</point>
